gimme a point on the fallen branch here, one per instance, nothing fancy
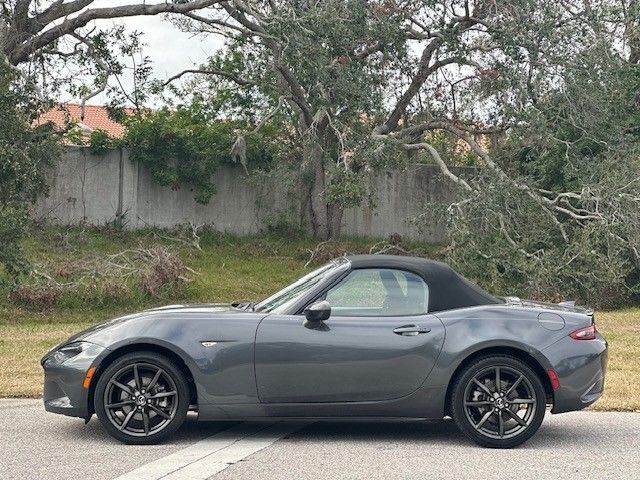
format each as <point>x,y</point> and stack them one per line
<point>193,242</point>
<point>316,251</point>
<point>386,248</point>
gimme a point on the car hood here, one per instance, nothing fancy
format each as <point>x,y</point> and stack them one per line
<point>568,307</point>
<point>159,313</point>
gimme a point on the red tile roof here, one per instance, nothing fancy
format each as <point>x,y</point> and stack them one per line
<point>95,118</point>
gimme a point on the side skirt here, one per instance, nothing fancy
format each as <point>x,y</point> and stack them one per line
<point>424,403</point>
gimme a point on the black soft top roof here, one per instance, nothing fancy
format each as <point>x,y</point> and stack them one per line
<point>447,288</point>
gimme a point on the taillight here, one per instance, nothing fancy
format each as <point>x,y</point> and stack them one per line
<point>585,333</point>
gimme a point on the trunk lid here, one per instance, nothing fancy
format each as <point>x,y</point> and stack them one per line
<point>568,306</point>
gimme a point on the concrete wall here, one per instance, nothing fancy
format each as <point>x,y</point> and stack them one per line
<point>85,188</point>
<point>96,189</point>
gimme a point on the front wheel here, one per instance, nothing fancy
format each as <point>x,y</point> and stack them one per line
<point>498,402</point>
<point>141,398</point>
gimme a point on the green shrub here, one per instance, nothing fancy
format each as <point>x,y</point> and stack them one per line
<point>100,142</point>
<point>186,147</point>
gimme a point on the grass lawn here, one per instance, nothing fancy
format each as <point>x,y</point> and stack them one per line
<point>228,269</point>
<point>622,330</point>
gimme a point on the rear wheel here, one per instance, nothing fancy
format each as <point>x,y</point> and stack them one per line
<point>141,398</point>
<point>498,401</point>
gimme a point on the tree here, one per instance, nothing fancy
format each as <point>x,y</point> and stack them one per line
<point>29,28</point>
<point>312,66</point>
<point>57,45</point>
<point>553,212</point>
<point>25,150</point>
<point>543,93</point>
<point>355,91</point>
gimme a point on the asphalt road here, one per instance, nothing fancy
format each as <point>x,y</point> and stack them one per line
<point>36,445</point>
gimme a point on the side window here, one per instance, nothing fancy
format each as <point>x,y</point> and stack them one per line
<point>379,292</point>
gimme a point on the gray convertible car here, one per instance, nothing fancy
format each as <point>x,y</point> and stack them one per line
<point>363,337</point>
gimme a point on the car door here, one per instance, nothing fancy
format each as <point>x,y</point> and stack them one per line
<point>379,343</point>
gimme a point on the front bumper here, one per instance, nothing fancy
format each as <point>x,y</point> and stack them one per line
<point>581,366</point>
<point>63,390</point>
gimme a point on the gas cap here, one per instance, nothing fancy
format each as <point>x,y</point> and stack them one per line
<point>551,321</point>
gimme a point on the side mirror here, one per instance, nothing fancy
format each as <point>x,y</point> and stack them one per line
<point>318,311</point>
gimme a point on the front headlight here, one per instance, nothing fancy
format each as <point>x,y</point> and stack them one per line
<point>63,353</point>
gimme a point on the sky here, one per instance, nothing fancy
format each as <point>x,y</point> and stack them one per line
<point>170,49</point>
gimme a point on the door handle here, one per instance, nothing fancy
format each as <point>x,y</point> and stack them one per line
<point>411,330</point>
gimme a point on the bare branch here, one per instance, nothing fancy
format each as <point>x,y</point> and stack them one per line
<point>25,49</point>
<point>214,22</point>
<point>511,241</point>
<point>56,11</point>
<point>270,115</point>
<point>210,71</point>
<point>438,159</point>
<point>316,251</point>
<point>103,77</point>
<point>417,81</point>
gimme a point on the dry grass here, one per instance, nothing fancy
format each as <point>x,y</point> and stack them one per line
<point>25,336</point>
<point>622,330</point>
<point>21,348</point>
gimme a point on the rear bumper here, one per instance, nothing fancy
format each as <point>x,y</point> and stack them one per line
<point>63,391</point>
<point>581,366</point>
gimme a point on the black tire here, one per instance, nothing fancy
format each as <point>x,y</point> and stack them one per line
<point>486,414</point>
<point>131,408</point>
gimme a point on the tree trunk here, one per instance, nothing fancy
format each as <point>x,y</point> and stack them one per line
<point>334,219</point>
<point>317,217</point>
<point>313,208</point>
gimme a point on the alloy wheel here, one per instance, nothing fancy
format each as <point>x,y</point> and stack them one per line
<point>500,402</point>
<point>141,399</point>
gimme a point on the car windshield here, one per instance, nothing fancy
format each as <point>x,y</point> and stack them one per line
<point>279,302</point>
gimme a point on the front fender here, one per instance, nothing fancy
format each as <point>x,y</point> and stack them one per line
<point>141,342</point>
<point>218,350</point>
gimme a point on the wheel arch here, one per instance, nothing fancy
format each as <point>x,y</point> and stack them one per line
<point>521,354</point>
<point>141,346</point>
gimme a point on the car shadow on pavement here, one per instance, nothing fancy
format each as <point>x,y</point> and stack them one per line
<point>441,432</point>
<point>357,431</point>
<point>192,431</point>
<point>444,431</point>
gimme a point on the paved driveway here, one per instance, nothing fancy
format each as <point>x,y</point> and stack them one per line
<point>35,445</point>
